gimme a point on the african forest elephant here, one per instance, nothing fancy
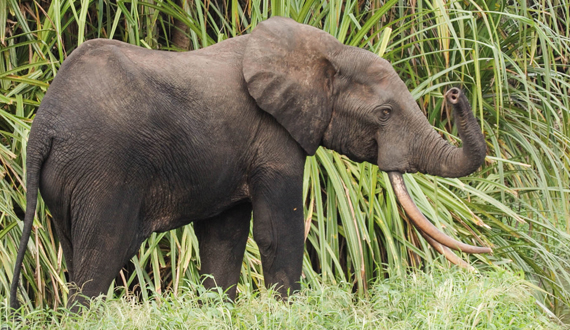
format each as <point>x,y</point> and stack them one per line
<point>130,141</point>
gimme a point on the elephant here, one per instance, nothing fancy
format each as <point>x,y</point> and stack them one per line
<point>129,141</point>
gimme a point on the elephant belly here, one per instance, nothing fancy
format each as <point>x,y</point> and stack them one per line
<point>174,209</point>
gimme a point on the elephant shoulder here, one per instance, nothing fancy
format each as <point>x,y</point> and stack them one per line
<point>229,48</point>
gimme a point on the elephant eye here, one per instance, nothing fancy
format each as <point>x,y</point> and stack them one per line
<point>385,112</point>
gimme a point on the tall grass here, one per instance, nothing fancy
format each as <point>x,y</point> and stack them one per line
<point>512,59</point>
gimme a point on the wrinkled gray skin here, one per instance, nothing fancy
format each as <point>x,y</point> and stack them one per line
<point>130,141</point>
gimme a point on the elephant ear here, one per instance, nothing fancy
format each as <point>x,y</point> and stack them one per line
<point>289,73</point>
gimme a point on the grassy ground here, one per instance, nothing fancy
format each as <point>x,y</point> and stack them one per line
<point>440,299</point>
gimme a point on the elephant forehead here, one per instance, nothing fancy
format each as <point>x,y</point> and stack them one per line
<point>363,66</point>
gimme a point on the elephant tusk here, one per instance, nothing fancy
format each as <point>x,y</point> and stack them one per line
<point>452,257</point>
<point>423,224</point>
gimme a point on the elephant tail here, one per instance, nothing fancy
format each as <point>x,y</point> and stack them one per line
<point>39,146</point>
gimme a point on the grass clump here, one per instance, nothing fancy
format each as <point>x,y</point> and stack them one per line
<point>440,299</point>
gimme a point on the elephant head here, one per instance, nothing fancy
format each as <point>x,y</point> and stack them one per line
<point>351,101</point>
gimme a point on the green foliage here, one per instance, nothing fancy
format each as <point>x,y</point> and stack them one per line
<point>442,299</point>
<point>512,59</point>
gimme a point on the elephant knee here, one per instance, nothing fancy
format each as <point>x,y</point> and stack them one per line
<point>267,245</point>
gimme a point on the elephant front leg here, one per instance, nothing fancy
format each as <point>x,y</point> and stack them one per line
<point>222,240</point>
<point>278,231</point>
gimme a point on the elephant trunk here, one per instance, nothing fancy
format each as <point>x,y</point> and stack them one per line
<point>442,159</point>
<point>445,160</point>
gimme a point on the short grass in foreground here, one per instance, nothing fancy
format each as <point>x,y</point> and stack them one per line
<point>441,299</point>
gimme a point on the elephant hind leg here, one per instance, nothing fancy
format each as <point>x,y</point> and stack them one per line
<point>62,233</point>
<point>222,240</point>
<point>104,239</point>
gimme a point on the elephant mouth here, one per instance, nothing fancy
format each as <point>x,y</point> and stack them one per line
<point>437,239</point>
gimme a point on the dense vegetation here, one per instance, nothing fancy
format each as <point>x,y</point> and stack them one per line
<point>511,58</point>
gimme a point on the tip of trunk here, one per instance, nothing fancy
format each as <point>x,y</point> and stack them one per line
<point>445,160</point>
<point>453,95</point>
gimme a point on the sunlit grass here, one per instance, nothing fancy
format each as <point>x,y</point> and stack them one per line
<point>511,59</point>
<point>440,299</point>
